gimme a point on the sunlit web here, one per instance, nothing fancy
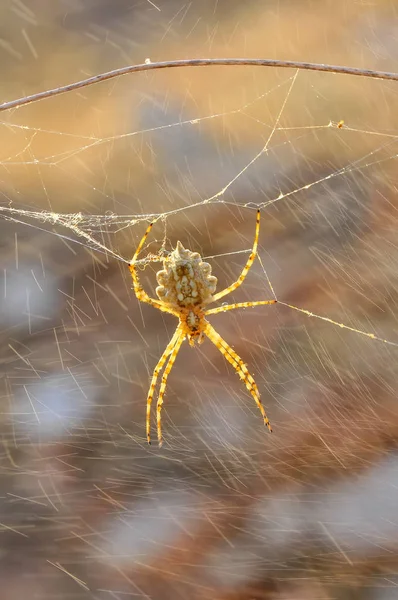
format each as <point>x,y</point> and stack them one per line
<point>95,231</point>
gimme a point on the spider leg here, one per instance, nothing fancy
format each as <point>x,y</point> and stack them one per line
<point>168,350</point>
<point>138,289</point>
<point>214,311</point>
<point>246,268</point>
<point>235,360</point>
<point>162,390</point>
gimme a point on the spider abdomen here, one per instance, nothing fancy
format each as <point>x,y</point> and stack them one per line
<point>185,280</point>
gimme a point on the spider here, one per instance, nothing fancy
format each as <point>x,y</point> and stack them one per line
<point>186,287</point>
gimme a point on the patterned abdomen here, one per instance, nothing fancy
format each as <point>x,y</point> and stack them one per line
<point>185,280</point>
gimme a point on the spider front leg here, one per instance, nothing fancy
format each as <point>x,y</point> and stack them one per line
<point>138,289</point>
<point>162,390</point>
<point>169,349</point>
<point>235,360</point>
<point>246,268</point>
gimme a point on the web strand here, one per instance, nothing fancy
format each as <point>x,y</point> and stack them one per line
<point>88,228</point>
<point>372,336</point>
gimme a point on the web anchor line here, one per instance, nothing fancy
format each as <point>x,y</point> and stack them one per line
<point>372,336</point>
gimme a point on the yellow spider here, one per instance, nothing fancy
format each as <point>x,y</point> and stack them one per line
<point>186,287</point>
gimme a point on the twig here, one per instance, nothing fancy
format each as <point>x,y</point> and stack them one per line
<point>199,62</point>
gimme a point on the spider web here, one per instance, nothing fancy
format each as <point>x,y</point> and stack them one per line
<point>90,230</point>
<point>80,349</point>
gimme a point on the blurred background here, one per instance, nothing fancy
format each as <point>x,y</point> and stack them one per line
<point>223,511</point>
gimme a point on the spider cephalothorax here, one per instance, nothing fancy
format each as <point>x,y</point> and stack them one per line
<point>186,287</point>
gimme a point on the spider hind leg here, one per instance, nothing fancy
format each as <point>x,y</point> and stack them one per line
<point>177,339</point>
<point>235,360</point>
<point>163,384</point>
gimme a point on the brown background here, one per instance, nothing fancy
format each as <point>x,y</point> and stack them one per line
<point>224,511</point>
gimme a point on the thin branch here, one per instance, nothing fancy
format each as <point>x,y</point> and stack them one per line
<point>199,62</point>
